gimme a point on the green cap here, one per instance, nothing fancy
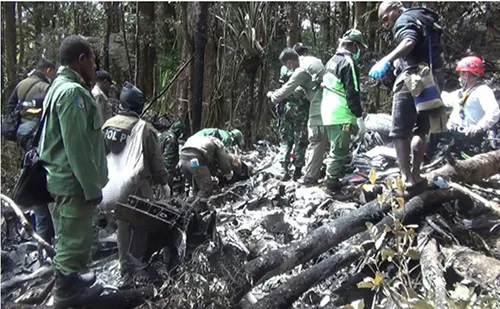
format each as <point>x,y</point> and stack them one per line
<point>238,137</point>
<point>177,128</point>
<point>354,35</point>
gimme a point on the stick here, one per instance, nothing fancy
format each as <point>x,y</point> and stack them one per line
<point>168,85</point>
<point>27,226</point>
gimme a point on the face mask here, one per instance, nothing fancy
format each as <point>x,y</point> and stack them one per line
<point>356,55</point>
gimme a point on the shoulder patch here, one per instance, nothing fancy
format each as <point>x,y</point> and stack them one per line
<point>79,102</point>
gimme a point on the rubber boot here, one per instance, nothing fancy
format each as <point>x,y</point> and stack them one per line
<point>297,173</point>
<point>72,291</point>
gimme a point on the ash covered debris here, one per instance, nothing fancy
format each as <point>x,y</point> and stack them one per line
<point>208,259</point>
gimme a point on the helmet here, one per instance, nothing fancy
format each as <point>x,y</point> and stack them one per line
<point>471,64</point>
<point>131,98</point>
<point>354,35</point>
<point>300,48</point>
<point>238,137</point>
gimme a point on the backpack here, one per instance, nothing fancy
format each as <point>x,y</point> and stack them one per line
<point>12,121</point>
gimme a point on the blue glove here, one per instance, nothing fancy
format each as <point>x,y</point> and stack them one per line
<point>379,69</point>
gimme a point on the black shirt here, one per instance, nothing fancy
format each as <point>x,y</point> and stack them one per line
<point>412,24</point>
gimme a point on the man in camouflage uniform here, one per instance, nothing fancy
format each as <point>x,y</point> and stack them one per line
<point>228,138</point>
<point>169,145</point>
<point>293,110</point>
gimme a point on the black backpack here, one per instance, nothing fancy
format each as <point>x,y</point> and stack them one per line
<point>12,121</point>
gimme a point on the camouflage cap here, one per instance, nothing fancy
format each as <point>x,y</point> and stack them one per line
<point>354,35</point>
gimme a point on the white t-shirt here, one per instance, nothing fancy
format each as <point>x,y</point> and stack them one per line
<point>481,108</point>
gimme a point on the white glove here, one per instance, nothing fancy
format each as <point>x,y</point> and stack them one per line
<point>269,94</point>
<point>229,176</point>
<point>166,191</point>
<point>472,130</point>
<point>361,128</point>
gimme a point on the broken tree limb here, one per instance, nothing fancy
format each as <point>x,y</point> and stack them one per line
<point>475,266</point>
<point>481,166</point>
<point>432,269</point>
<point>291,290</point>
<point>27,226</point>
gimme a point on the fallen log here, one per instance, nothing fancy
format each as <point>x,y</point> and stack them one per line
<point>327,236</point>
<point>481,166</point>
<point>432,269</point>
<point>290,291</point>
<point>315,243</point>
<point>475,266</point>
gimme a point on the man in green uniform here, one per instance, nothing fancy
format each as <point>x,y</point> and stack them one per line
<point>120,130</point>
<point>169,145</point>
<point>293,126</point>
<point>341,105</point>
<point>72,149</point>
<point>228,138</point>
<point>201,158</point>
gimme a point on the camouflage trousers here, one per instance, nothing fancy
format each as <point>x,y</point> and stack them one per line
<point>293,134</point>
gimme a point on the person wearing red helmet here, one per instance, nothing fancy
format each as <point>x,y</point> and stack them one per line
<point>475,109</point>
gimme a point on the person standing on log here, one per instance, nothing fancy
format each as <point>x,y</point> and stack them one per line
<point>418,39</point>
<point>292,110</point>
<point>101,93</point>
<point>341,108</point>
<point>72,149</point>
<point>126,137</point>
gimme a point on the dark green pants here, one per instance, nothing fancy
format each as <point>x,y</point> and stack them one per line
<point>73,224</point>
<point>340,138</point>
<point>293,132</point>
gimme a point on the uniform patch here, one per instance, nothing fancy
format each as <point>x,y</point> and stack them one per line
<point>79,102</point>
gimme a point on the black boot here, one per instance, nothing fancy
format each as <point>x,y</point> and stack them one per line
<point>72,290</point>
<point>297,173</point>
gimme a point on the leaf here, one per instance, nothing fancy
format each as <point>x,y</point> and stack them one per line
<point>399,184</point>
<point>389,183</point>
<point>365,285</point>
<point>379,277</point>
<point>367,187</point>
<point>413,254</point>
<point>401,201</point>
<point>387,254</point>
<point>422,304</point>
<point>372,176</point>
<point>380,198</point>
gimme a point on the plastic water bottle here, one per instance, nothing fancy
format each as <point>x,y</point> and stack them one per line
<point>194,162</point>
<point>440,182</point>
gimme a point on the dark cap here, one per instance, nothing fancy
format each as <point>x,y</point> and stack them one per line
<point>103,75</point>
<point>300,48</point>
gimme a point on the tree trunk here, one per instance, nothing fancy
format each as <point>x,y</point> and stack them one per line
<point>146,52</point>
<point>287,293</point>
<point>292,35</point>
<point>9,10</point>
<point>359,20</point>
<point>184,89</point>
<point>479,167</point>
<point>21,34</point>
<point>125,41</point>
<point>326,24</point>
<point>199,66</point>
